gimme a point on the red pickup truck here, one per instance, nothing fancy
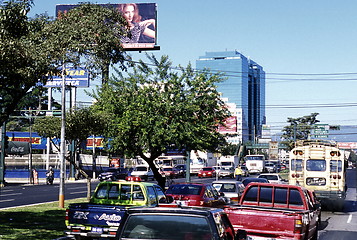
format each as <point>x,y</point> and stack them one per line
<point>275,211</point>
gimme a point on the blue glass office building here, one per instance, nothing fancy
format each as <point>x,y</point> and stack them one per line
<point>244,87</point>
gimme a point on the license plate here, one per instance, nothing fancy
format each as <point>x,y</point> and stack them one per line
<point>182,203</point>
<point>97,230</point>
<point>259,238</point>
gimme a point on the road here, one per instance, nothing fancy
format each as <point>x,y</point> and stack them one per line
<point>342,225</point>
<point>18,195</point>
<point>334,225</point>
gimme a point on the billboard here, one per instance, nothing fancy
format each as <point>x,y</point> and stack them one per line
<point>141,17</point>
<point>75,77</point>
<point>230,125</point>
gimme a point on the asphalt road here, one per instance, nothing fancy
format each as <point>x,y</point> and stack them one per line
<point>335,225</point>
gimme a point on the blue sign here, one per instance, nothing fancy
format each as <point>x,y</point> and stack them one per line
<point>75,77</point>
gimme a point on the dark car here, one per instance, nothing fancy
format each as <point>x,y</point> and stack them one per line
<point>182,169</point>
<point>113,174</point>
<point>195,194</point>
<point>248,180</point>
<point>176,224</point>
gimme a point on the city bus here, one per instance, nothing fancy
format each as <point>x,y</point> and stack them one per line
<point>170,161</point>
<point>319,165</point>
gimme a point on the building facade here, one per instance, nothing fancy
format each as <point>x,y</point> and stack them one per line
<point>243,90</point>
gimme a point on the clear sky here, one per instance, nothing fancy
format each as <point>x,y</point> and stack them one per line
<point>300,44</point>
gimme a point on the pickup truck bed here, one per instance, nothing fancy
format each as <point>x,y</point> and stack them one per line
<point>275,211</point>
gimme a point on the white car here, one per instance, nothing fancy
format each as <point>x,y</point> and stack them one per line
<point>232,189</point>
<point>273,178</point>
<point>144,172</point>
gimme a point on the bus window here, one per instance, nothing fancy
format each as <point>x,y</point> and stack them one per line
<point>335,165</point>
<point>316,165</point>
<point>296,165</point>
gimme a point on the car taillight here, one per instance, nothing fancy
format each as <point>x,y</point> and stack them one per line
<point>67,217</point>
<point>298,226</point>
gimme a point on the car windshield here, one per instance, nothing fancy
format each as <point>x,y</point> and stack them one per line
<point>141,169</point>
<point>269,177</point>
<point>247,181</point>
<point>173,227</point>
<point>167,169</point>
<point>184,189</point>
<point>206,169</point>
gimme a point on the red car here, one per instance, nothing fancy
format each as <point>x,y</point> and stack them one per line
<point>207,172</point>
<point>195,194</point>
<point>170,172</point>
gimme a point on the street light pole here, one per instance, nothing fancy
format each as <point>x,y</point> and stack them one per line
<point>63,139</point>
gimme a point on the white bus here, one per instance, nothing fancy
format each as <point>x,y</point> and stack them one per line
<point>320,166</point>
<point>170,161</point>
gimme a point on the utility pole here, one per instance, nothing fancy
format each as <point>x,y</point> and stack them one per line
<point>2,156</point>
<point>63,139</point>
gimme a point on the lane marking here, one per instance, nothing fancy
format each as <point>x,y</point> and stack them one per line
<point>7,200</point>
<point>78,192</point>
<point>10,194</point>
<point>349,218</point>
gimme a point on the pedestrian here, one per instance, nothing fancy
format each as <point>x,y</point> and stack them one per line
<point>238,173</point>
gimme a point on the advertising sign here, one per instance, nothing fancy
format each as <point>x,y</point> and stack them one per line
<point>141,17</point>
<point>75,77</point>
<point>230,125</point>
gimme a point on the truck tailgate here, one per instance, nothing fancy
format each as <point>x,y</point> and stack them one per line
<point>95,215</point>
<point>265,222</point>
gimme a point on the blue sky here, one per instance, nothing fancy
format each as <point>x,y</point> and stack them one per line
<point>284,36</point>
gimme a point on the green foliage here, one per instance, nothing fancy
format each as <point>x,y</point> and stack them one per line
<point>80,124</point>
<point>31,50</point>
<point>299,129</point>
<point>155,107</point>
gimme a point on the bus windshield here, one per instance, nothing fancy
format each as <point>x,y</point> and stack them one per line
<point>316,165</point>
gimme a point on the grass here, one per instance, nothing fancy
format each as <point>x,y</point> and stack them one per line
<point>40,222</point>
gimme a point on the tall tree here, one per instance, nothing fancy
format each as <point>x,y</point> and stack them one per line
<point>299,129</point>
<point>155,107</point>
<point>80,125</point>
<point>30,49</point>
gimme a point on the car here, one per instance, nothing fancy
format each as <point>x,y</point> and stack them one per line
<point>182,169</point>
<point>226,172</point>
<point>206,172</point>
<point>270,167</point>
<point>272,178</point>
<point>195,194</point>
<point>169,172</point>
<point>144,172</point>
<point>176,223</point>
<point>232,189</point>
<point>113,174</point>
<point>248,180</point>
<point>245,172</point>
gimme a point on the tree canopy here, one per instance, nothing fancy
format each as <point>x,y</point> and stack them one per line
<point>299,129</point>
<point>155,107</point>
<point>31,50</point>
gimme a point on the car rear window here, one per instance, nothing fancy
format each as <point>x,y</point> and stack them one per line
<point>184,190</point>
<point>173,226</point>
<point>225,187</point>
